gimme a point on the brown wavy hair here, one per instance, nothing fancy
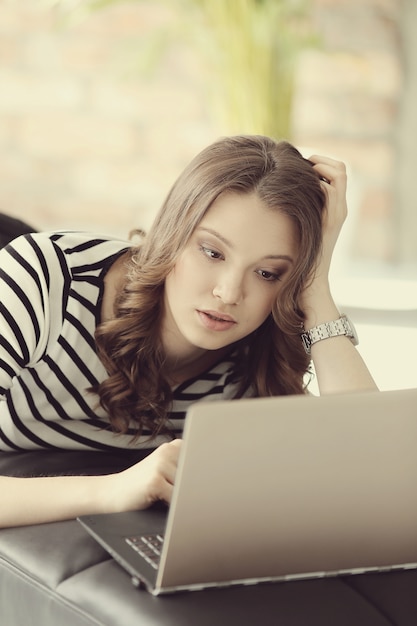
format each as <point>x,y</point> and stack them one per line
<point>270,361</point>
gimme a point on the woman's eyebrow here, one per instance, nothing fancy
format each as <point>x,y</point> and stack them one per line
<point>280,257</point>
<point>211,231</point>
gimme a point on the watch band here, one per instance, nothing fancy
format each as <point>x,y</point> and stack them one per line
<point>335,328</point>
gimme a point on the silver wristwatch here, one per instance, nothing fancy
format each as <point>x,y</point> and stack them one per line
<point>342,326</point>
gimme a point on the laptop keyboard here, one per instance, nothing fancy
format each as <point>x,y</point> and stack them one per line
<point>148,546</point>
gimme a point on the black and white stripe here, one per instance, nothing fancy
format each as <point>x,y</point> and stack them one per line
<point>50,292</point>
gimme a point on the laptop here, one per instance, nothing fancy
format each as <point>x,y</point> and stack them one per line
<point>279,488</point>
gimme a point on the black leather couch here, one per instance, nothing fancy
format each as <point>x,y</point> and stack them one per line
<point>56,574</point>
<point>11,227</point>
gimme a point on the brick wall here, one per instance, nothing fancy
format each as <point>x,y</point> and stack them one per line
<point>347,102</point>
<point>87,140</point>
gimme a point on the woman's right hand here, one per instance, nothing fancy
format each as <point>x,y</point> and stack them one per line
<point>53,498</point>
<point>146,482</point>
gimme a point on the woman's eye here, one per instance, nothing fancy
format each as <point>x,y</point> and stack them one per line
<point>210,253</point>
<point>269,276</point>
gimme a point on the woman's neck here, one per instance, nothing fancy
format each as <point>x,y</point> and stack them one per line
<point>178,370</point>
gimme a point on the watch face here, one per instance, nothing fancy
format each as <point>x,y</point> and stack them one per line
<point>306,342</point>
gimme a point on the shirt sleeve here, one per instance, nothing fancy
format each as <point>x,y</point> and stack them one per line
<point>26,282</point>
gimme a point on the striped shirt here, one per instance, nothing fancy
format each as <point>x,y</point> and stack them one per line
<point>51,287</point>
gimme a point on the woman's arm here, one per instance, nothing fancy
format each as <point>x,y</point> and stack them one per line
<point>37,500</point>
<point>338,365</point>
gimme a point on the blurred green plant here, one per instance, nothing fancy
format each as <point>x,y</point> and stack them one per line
<point>249,49</point>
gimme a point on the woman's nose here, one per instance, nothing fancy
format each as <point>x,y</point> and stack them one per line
<point>229,288</point>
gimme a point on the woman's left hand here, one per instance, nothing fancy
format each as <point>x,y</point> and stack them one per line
<point>334,214</point>
<point>338,365</point>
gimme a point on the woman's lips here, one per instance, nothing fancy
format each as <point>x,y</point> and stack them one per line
<point>213,320</point>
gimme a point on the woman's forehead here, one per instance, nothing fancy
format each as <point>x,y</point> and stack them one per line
<point>244,219</point>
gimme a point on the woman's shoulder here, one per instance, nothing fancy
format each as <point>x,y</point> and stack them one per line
<point>69,240</point>
<point>80,242</point>
<point>69,248</point>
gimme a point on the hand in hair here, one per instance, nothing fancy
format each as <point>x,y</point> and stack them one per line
<point>338,365</point>
<point>333,180</point>
<point>146,482</point>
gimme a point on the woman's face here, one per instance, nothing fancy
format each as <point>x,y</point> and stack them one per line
<point>225,281</point>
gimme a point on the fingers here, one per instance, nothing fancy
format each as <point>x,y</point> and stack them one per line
<point>169,454</point>
<point>163,469</point>
<point>319,158</point>
<point>331,172</point>
<point>145,482</point>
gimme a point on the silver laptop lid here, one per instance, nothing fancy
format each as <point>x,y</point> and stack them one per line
<point>293,486</point>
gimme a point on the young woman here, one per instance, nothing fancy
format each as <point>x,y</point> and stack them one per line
<point>104,345</point>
